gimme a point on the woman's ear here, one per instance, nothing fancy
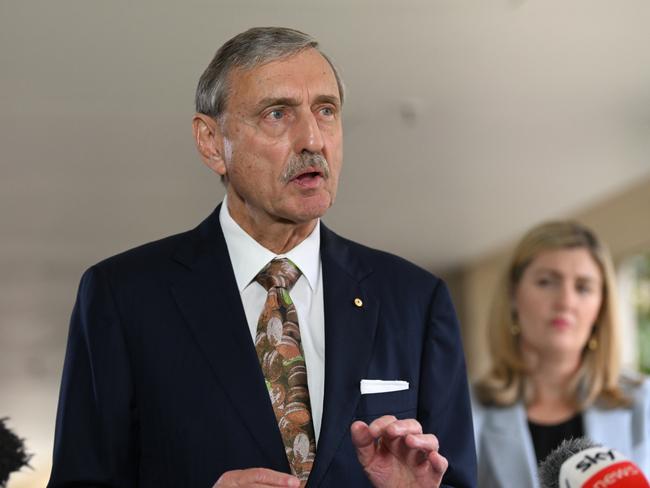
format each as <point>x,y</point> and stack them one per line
<point>209,142</point>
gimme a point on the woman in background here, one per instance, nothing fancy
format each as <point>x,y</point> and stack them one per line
<point>553,338</point>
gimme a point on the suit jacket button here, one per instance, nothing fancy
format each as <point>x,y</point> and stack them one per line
<point>358,302</point>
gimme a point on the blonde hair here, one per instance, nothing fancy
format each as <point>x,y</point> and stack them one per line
<point>599,374</point>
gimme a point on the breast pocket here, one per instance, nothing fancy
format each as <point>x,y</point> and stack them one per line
<point>401,404</point>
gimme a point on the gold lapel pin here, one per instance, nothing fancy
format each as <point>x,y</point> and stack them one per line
<point>358,302</point>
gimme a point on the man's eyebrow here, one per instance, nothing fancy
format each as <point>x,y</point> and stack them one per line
<point>273,101</point>
<point>333,99</point>
<point>293,102</point>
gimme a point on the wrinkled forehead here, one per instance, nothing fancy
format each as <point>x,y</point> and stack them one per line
<point>305,73</point>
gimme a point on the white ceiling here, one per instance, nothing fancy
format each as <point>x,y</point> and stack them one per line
<point>466,121</point>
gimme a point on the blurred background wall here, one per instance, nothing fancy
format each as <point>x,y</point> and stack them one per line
<point>466,123</point>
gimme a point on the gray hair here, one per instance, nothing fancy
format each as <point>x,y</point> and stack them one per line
<point>252,48</point>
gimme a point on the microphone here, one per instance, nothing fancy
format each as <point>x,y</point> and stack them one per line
<point>579,463</point>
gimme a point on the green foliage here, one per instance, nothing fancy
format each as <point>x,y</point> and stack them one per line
<point>644,345</point>
<point>642,304</point>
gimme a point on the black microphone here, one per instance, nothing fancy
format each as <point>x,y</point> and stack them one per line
<point>579,463</point>
<point>12,453</point>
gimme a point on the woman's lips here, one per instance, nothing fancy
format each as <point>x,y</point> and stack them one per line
<point>560,323</point>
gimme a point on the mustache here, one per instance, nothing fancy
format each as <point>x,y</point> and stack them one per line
<point>298,163</point>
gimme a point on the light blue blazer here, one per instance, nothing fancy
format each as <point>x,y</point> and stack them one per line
<point>506,456</point>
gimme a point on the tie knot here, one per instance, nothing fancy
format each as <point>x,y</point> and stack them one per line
<point>278,273</point>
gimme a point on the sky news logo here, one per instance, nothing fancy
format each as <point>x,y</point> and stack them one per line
<point>600,467</point>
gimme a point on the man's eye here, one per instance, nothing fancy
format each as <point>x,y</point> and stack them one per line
<point>275,114</point>
<point>327,111</point>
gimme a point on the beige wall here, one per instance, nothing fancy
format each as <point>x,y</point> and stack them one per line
<point>621,220</point>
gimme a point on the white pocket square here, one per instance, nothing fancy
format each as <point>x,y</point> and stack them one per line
<point>369,387</point>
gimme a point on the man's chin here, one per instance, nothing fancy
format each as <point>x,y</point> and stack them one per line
<point>310,211</point>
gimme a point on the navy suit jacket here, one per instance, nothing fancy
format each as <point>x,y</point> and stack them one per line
<point>162,388</point>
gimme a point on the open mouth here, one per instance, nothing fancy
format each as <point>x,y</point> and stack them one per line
<point>308,176</point>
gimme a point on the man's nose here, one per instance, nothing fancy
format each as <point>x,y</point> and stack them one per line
<point>308,136</point>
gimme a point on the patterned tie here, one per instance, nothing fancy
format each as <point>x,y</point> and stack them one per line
<point>281,356</point>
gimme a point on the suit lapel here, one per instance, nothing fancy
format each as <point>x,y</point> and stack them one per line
<point>210,302</point>
<point>610,428</point>
<point>349,336</point>
<point>507,444</point>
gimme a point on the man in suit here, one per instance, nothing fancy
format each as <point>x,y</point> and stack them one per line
<point>261,349</point>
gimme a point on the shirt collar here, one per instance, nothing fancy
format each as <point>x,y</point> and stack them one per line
<point>248,256</point>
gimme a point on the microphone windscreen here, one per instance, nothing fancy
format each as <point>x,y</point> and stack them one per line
<point>578,463</point>
<point>549,469</point>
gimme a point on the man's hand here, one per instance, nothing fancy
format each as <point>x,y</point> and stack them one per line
<point>395,453</point>
<point>256,478</point>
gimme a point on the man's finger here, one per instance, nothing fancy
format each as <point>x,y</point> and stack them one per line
<point>424,442</point>
<point>439,464</point>
<point>378,426</point>
<point>417,448</point>
<point>363,441</point>
<point>396,428</point>
<point>392,433</point>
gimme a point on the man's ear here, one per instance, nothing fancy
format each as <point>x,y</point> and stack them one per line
<point>209,142</point>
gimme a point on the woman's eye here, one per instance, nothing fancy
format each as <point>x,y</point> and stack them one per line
<point>584,289</point>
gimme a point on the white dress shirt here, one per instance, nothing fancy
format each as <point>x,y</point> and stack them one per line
<point>248,257</point>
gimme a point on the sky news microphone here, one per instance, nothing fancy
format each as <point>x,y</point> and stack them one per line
<point>579,463</point>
